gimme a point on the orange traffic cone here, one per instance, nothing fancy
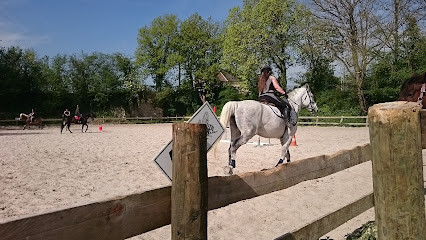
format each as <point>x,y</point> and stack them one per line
<point>293,141</point>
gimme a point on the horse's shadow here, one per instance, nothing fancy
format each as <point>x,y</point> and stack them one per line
<point>4,133</point>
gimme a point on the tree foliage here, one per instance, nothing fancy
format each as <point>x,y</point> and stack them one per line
<point>262,32</point>
<point>378,43</point>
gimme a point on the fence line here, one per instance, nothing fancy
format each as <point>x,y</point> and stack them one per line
<point>303,120</point>
<point>138,213</point>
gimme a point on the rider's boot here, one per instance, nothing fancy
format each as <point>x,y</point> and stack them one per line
<point>292,118</point>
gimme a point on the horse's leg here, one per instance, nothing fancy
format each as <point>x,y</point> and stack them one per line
<point>238,139</point>
<point>68,127</point>
<point>235,136</point>
<point>62,127</point>
<point>87,126</point>
<point>285,143</point>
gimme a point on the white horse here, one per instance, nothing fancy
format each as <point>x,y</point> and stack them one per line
<point>248,118</point>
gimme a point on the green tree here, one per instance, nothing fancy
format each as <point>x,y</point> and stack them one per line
<point>414,47</point>
<point>20,78</point>
<point>354,40</point>
<point>313,54</point>
<point>130,76</point>
<point>154,49</point>
<point>56,85</point>
<point>263,31</point>
<point>200,48</point>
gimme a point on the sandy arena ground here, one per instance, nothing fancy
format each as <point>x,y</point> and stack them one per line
<point>43,171</point>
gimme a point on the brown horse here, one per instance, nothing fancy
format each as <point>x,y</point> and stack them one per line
<point>36,121</point>
<point>414,89</point>
<point>83,120</point>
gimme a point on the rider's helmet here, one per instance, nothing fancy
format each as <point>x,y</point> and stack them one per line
<point>266,68</point>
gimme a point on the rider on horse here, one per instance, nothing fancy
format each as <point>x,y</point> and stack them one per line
<point>67,113</point>
<point>77,113</point>
<point>31,115</point>
<point>269,90</point>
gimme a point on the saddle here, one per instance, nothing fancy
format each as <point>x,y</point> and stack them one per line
<point>266,102</point>
<point>287,113</point>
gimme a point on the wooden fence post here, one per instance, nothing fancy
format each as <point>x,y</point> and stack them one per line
<point>189,181</point>
<point>397,170</point>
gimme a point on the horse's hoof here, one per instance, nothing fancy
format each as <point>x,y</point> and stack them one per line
<point>232,163</point>
<point>279,162</point>
<point>228,170</point>
<point>288,160</point>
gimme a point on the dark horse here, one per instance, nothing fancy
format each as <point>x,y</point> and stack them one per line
<point>36,121</point>
<point>67,120</point>
<point>413,90</point>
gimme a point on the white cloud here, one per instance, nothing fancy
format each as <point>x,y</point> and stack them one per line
<point>12,35</point>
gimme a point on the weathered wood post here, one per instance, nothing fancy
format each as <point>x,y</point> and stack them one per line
<point>190,181</point>
<point>397,170</point>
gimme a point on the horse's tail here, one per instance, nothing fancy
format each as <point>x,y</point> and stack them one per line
<point>227,112</point>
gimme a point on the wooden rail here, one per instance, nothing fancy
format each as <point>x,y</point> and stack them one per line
<point>138,213</point>
<point>303,120</point>
<point>333,120</point>
<point>322,226</point>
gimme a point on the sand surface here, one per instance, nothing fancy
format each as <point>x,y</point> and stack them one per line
<point>43,171</point>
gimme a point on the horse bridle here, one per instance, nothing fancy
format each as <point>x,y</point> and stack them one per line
<point>310,107</point>
<point>422,92</point>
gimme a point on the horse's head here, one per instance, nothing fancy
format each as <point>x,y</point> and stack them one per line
<point>90,115</point>
<point>308,100</point>
<point>413,90</point>
<point>23,116</point>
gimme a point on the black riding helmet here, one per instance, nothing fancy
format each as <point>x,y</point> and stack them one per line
<point>266,68</point>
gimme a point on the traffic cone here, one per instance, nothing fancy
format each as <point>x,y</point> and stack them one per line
<point>293,141</point>
<point>100,128</point>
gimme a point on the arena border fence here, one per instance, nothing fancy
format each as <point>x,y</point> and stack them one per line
<point>135,214</point>
<point>303,120</point>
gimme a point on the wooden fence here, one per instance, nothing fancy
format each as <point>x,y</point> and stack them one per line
<point>303,120</point>
<point>138,213</point>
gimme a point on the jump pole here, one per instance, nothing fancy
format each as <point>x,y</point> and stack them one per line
<point>189,182</point>
<point>395,140</point>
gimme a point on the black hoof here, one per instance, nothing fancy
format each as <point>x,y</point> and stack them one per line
<point>279,162</point>
<point>232,163</point>
<point>288,160</point>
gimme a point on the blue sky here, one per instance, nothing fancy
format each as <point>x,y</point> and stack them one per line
<point>52,27</point>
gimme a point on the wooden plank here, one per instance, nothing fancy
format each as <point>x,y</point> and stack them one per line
<point>227,190</point>
<point>397,170</point>
<point>189,186</point>
<point>113,219</point>
<point>322,226</point>
<point>143,212</point>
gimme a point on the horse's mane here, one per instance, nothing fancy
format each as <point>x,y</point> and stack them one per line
<point>414,79</point>
<point>295,91</point>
